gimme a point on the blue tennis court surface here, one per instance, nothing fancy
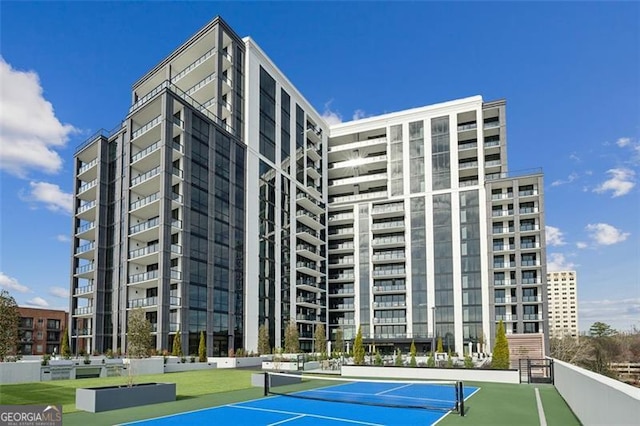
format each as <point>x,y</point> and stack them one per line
<point>276,410</point>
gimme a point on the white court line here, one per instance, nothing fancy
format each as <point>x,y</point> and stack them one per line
<point>543,420</point>
<point>391,390</point>
<point>287,420</point>
<point>449,412</point>
<point>305,415</point>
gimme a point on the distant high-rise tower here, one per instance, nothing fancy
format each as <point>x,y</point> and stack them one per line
<point>224,201</point>
<point>562,287</point>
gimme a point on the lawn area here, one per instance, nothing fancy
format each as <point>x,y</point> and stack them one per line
<point>189,384</point>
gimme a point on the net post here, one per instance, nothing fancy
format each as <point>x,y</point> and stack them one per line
<point>266,383</point>
<point>461,396</point>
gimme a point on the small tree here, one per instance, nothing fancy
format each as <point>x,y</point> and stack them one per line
<point>138,334</point>
<point>399,362</point>
<point>339,347</point>
<point>65,351</point>
<point>413,352</point>
<point>439,345</point>
<point>177,345</point>
<point>431,361</point>
<point>264,347</point>
<point>9,325</point>
<point>358,348</point>
<point>378,360</point>
<point>320,341</point>
<point>291,338</point>
<point>202,348</point>
<point>500,358</point>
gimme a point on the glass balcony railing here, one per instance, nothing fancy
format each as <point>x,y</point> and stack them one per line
<point>387,208</point>
<point>144,276</point>
<point>144,226</point>
<point>341,246</point>
<point>174,301</point>
<point>148,150</point>
<point>387,225</point>
<point>145,176</point>
<point>142,130</point>
<point>87,310</point>
<point>144,251</point>
<point>85,268</point>
<point>82,332</point>
<point>144,201</point>
<point>142,303</point>
<point>86,227</point>
<point>193,65</point>
<point>87,166</point>
<point>85,247</point>
<point>175,274</point>
<point>491,124</point>
<point>175,248</point>
<point>490,143</point>
<point>86,186</point>
<point>83,290</point>
<point>86,206</point>
<point>467,126</point>
<point>200,84</point>
<point>174,327</point>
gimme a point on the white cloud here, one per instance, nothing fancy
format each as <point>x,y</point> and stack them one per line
<point>59,292</point>
<point>574,157</point>
<point>12,284</point>
<point>358,114</point>
<point>30,131</point>
<point>557,262</point>
<point>605,234</point>
<point>582,245</point>
<point>573,176</point>
<point>37,301</point>
<point>621,314</point>
<point>50,195</point>
<point>621,182</point>
<point>622,142</point>
<point>63,238</point>
<point>331,117</point>
<point>554,236</point>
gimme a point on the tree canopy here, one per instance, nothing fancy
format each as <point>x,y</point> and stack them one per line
<point>600,329</point>
<point>320,340</point>
<point>138,334</point>
<point>358,348</point>
<point>264,346</point>
<point>291,338</point>
<point>9,325</point>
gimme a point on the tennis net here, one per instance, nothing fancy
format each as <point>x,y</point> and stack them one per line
<point>431,395</point>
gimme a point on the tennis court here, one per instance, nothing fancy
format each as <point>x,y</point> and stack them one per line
<point>301,401</point>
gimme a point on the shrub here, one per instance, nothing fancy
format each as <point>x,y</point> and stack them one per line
<point>500,358</point>
<point>192,359</point>
<point>399,362</point>
<point>378,360</point>
<point>468,362</point>
<point>183,359</point>
<point>86,360</point>
<point>109,353</point>
<point>45,359</point>
<point>202,348</point>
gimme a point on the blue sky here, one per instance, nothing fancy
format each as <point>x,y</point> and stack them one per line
<point>570,73</point>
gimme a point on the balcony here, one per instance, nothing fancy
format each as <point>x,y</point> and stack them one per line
<point>501,213</point>
<point>532,317</point>
<point>400,288</point>
<point>508,230</point>
<point>309,219</point>
<point>193,65</point>
<point>85,248</point>
<point>137,180</point>
<point>358,197</point>
<point>491,143</point>
<point>389,256</point>
<point>309,203</point>
<point>144,276</point>
<point>528,193</point>
<point>342,277</point>
<point>85,269</point>
<point>359,162</point>
<point>139,204</point>
<point>532,299</point>
<point>87,310</point>
<point>79,291</point>
<point>525,228</point>
<point>378,320</point>
<point>85,188</point>
<point>396,225</point>
<point>153,223</point>
<point>144,251</point>
<point>502,196</point>
<point>341,218</point>
<point>462,127</point>
<point>142,303</point>
<point>384,209</point>
<point>389,272</point>
<point>82,332</point>
<point>528,210</point>
<point>399,304</point>
<point>145,128</point>
<point>87,166</point>
<point>502,265</point>
<point>491,124</point>
<point>84,229</point>
<point>346,246</point>
<point>84,210</point>
<point>387,241</point>
<point>145,152</point>
<point>501,283</point>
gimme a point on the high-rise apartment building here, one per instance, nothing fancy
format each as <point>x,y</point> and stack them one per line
<point>563,303</point>
<point>224,201</point>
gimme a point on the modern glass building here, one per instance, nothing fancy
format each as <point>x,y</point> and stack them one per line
<point>224,201</point>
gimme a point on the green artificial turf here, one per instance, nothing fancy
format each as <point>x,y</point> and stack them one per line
<point>188,384</point>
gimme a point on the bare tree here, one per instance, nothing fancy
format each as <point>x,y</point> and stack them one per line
<point>9,325</point>
<point>320,340</point>
<point>291,338</point>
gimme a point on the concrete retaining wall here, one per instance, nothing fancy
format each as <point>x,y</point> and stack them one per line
<point>19,372</point>
<point>227,362</point>
<point>190,366</point>
<point>408,373</point>
<point>596,399</point>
